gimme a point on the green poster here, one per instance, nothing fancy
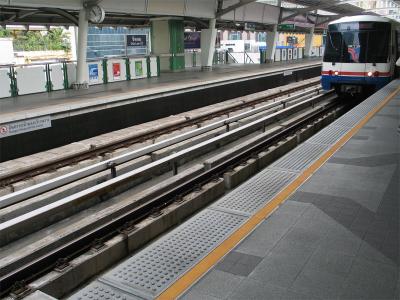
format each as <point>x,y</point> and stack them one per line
<point>138,68</point>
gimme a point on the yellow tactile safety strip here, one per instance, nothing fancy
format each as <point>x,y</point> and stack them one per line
<point>183,283</point>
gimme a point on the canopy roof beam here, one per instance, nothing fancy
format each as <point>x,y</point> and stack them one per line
<point>233,7</point>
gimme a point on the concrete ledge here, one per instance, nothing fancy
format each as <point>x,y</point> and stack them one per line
<point>59,284</point>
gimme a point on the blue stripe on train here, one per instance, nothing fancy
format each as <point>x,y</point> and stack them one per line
<point>327,81</point>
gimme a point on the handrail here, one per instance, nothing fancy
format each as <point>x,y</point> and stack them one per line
<point>72,61</point>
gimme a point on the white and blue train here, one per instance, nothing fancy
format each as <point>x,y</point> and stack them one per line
<point>360,54</point>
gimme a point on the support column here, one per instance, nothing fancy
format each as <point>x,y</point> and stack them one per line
<point>167,42</point>
<point>309,38</point>
<point>208,45</point>
<point>81,68</point>
<point>272,38</point>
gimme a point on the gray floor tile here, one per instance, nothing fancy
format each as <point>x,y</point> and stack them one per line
<point>252,289</point>
<point>291,253</point>
<point>217,284</point>
<point>358,291</point>
<point>374,253</point>
<point>369,273</point>
<point>193,295</point>
<point>266,235</point>
<point>274,270</point>
<point>318,283</point>
<point>300,235</point>
<point>242,264</point>
<point>335,262</point>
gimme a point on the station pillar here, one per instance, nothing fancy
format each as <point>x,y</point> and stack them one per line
<point>309,38</point>
<point>272,39</point>
<point>167,43</point>
<point>81,68</point>
<point>208,45</point>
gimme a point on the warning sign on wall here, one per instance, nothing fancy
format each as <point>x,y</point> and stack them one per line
<point>18,127</point>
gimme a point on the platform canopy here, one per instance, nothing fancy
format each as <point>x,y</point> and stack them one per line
<point>229,13</point>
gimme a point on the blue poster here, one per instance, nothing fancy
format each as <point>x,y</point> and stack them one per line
<point>192,40</point>
<point>93,72</point>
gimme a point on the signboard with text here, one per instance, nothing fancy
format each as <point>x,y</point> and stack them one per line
<point>136,40</point>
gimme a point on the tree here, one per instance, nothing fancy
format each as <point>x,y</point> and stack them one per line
<point>54,39</point>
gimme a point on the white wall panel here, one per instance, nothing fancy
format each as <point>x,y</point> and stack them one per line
<point>31,80</point>
<point>200,8</point>
<point>57,76</point>
<point>69,4</point>
<point>163,7</point>
<point>5,90</point>
<point>127,6</point>
<point>277,54</point>
<point>153,66</point>
<point>71,70</point>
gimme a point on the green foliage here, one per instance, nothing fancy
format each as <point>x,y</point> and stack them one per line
<point>5,33</point>
<point>54,39</point>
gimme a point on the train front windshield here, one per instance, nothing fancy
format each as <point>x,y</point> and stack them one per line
<point>358,42</point>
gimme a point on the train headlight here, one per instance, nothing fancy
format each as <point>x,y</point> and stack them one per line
<point>336,73</point>
<point>369,74</point>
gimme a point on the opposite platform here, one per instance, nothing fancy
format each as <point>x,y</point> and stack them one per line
<point>336,236</point>
<point>39,122</point>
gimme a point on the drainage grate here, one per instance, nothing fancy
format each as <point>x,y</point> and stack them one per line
<point>97,291</point>
<point>328,135</point>
<point>152,270</point>
<point>257,191</point>
<point>299,158</point>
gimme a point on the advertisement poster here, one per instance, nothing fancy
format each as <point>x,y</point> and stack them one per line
<point>116,67</point>
<point>136,40</point>
<point>138,68</point>
<point>191,40</point>
<point>93,72</point>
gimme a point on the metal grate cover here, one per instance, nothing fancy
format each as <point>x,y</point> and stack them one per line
<point>99,291</point>
<point>299,158</point>
<point>328,135</point>
<point>150,271</point>
<point>257,191</point>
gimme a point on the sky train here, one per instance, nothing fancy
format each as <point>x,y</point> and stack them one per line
<point>360,54</point>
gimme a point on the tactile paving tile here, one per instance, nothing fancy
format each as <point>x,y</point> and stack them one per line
<point>349,119</point>
<point>257,191</point>
<point>100,291</point>
<point>328,135</point>
<point>153,269</point>
<point>299,158</point>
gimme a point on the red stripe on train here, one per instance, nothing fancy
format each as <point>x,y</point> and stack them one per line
<point>381,74</point>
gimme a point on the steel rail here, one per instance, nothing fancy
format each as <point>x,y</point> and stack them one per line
<point>34,220</point>
<point>30,171</point>
<point>51,184</point>
<point>79,245</point>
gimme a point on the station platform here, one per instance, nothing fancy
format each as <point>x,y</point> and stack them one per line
<point>322,222</point>
<point>108,107</point>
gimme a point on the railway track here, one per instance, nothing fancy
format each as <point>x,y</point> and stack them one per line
<point>20,266</point>
<point>101,150</point>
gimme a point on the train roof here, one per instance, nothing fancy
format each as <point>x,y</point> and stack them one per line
<point>362,18</point>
